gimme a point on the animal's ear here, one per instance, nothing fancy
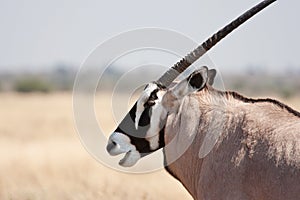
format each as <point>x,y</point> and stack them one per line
<point>198,79</point>
<point>192,83</point>
<point>211,76</point>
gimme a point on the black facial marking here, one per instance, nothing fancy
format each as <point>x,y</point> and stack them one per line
<point>145,117</point>
<point>137,137</point>
<point>151,101</point>
<point>153,95</point>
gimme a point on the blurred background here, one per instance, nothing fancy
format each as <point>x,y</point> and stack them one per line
<point>42,46</point>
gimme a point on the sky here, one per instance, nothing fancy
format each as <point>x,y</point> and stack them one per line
<point>38,34</point>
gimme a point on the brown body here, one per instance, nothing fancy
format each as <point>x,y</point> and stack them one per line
<point>257,149</point>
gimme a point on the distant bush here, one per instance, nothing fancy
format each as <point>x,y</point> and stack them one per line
<point>286,93</point>
<point>32,85</point>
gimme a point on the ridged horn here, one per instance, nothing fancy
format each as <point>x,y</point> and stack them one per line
<point>169,76</point>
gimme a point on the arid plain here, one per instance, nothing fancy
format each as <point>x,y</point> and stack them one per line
<point>42,157</point>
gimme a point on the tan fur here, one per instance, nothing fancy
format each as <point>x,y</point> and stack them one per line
<point>169,100</point>
<point>256,154</point>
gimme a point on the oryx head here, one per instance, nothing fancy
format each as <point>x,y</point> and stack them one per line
<point>142,130</point>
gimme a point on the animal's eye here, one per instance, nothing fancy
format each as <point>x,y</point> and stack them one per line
<point>153,96</point>
<point>151,100</point>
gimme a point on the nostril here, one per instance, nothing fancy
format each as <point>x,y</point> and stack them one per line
<point>114,143</point>
<point>110,146</point>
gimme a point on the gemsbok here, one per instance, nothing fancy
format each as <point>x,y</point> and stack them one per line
<point>218,144</point>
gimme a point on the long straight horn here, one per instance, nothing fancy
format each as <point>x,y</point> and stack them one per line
<point>167,78</point>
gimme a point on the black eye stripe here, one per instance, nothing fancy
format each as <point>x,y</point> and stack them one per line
<point>144,119</point>
<point>153,96</point>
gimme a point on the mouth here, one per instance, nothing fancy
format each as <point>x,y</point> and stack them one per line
<point>109,149</point>
<point>130,158</point>
<point>119,143</point>
<point>122,162</point>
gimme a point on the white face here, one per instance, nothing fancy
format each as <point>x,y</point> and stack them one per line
<point>144,125</point>
<point>147,110</point>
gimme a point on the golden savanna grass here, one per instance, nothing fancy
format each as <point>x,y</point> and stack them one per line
<point>41,156</point>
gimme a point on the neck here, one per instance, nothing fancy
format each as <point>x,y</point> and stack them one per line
<point>229,99</point>
<point>218,116</point>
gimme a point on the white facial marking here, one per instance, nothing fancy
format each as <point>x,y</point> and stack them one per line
<point>119,143</point>
<point>154,142</point>
<point>142,100</point>
<point>130,158</point>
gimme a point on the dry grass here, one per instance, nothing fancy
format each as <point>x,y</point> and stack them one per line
<point>41,157</point>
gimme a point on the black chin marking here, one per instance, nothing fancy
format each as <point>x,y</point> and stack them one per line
<point>143,146</point>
